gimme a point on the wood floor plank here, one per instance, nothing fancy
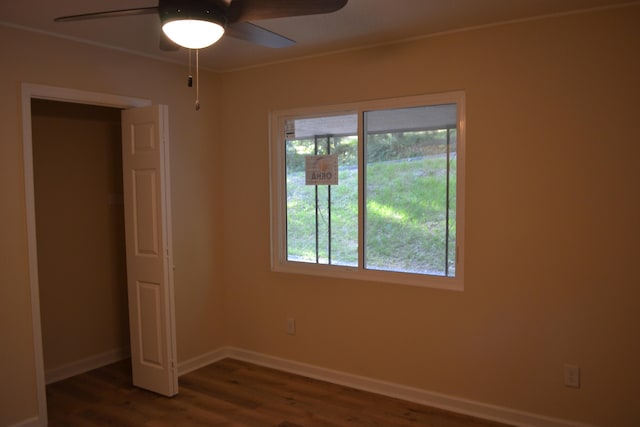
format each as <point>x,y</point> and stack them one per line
<point>232,393</point>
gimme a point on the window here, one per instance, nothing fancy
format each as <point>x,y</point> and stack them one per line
<point>371,190</point>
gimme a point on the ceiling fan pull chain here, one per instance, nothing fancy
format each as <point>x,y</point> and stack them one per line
<point>197,80</point>
<point>190,78</point>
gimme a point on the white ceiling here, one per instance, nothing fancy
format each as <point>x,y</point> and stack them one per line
<point>359,23</point>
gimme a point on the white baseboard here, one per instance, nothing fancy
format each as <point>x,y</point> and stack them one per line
<point>85,365</point>
<point>203,360</point>
<point>424,397</point>
<point>31,422</point>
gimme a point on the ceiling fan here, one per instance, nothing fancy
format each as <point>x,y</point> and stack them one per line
<point>196,24</point>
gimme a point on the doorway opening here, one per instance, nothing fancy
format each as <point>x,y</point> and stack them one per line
<point>79,207</point>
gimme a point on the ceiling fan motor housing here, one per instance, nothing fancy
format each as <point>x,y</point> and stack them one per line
<point>172,10</point>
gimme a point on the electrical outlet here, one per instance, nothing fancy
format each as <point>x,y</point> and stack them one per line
<point>291,326</point>
<point>572,376</point>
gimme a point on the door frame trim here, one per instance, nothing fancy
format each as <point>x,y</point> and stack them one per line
<point>52,93</point>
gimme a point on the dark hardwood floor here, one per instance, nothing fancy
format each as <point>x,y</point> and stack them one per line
<point>233,393</point>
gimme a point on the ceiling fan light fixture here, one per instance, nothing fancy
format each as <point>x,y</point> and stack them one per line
<point>194,24</point>
<point>193,33</point>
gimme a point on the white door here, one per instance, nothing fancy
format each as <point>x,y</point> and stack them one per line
<point>145,148</point>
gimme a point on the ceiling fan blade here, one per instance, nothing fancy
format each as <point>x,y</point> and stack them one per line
<point>255,34</point>
<point>108,14</point>
<point>254,10</point>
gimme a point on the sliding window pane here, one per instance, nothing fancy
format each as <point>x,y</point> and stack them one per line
<point>410,173</point>
<point>322,219</point>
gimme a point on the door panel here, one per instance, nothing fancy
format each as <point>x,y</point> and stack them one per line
<point>148,242</point>
<point>145,213</point>
<point>148,300</point>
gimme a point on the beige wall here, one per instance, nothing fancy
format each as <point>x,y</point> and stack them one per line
<point>196,193</point>
<point>552,221</point>
<point>552,208</point>
<point>82,276</point>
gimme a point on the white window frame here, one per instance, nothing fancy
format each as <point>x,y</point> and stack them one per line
<point>279,262</point>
